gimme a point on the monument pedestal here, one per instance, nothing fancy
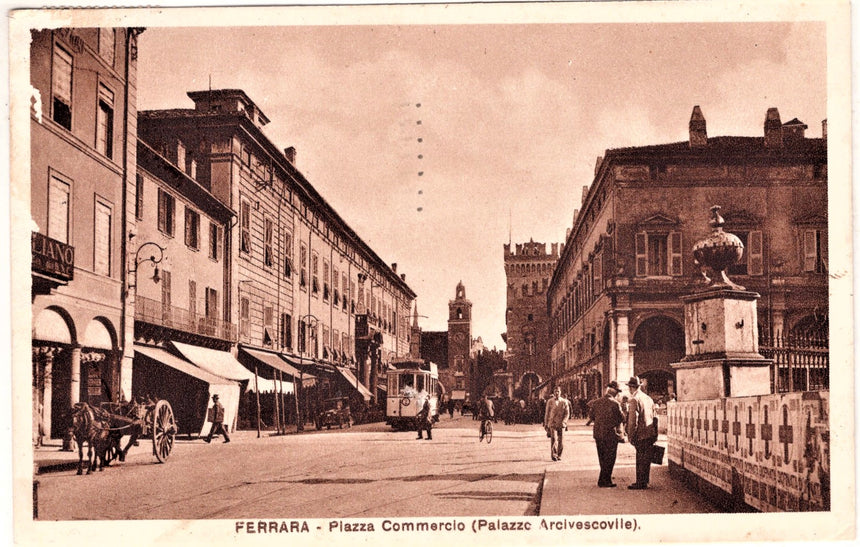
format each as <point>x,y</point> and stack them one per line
<point>721,333</point>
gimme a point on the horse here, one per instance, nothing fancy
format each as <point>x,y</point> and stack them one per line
<point>91,426</point>
<point>130,419</point>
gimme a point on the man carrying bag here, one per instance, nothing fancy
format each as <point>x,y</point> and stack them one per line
<point>641,431</point>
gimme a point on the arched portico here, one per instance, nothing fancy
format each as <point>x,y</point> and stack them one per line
<point>659,341</point>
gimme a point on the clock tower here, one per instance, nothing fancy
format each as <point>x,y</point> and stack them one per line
<point>460,337</point>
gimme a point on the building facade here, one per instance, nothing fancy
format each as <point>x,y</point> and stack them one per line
<point>528,269</point>
<point>82,129</point>
<point>614,298</point>
<point>303,284</point>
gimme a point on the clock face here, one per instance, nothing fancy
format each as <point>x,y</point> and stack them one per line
<point>459,337</point>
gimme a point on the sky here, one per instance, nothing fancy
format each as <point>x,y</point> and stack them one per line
<point>438,144</point>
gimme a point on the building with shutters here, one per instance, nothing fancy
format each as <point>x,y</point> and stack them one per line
<point>614,298</point>
<point>303,287</point>
<point>83,154</point>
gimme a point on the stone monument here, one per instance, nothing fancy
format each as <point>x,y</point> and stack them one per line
<point>720,327</point>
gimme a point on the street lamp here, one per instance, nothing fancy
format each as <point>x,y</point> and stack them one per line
<point>138,260</point>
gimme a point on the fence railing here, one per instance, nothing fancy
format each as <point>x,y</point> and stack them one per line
<point>157,313</point>
<point>800,363</point>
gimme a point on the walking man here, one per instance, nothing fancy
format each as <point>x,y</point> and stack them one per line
<point>555,422</point>
<point>216,416</point>
<point>641,431</point>
<point>607,417</point>
<point>423,420</point>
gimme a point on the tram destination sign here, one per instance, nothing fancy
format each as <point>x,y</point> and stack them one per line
<point>52,257</point>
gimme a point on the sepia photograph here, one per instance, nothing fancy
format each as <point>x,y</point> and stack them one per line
<point>514,273</point>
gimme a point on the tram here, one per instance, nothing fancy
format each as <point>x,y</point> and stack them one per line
<point>409,384</point>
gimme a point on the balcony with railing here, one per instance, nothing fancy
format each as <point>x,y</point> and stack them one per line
<point>157,313</point>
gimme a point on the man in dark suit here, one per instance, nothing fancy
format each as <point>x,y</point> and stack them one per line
<point>607,417</point>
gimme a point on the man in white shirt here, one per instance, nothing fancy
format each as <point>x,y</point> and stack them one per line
<point>555,422</point>
<point>641,431</point>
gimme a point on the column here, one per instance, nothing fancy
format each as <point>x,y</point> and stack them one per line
<point>75,390</point>
<point>48,397</point>
<point>620,356</point>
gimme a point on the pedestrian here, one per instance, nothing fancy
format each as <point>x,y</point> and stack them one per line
<point>216,416</point>
<point>641,431</point>
<point>485,412</point>
<point>555,422</point>
<point>451,408</point>
<point>424,421</point>
<point>607,417</point>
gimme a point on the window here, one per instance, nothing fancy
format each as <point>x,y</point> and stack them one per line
<point>102,247</point>
<point>107,44</point>
<point>597,274</point>
<point>658,254</point>
<point>245,225</point>
<point>315,273</point>
<point>268,253</point>
<point>215,243</point>
<point>166,212</point>
<point>751,263</point>
<point>345,344</point>
<point>244,317</point>
<point>192,228</point>
<point>104,122</point>
<point>211,303</point>
<point>59,193</point>
<point>286,331</point>
<point>268,320</point>
<point>61,88</point>
<point>326,284</point>
<point>138,203</point>
<point>288,254</point>
<point>335,282</point>
<point>192,298</point>
<point>303,273</point>
<point>815,251</point>
<point>343,283</point>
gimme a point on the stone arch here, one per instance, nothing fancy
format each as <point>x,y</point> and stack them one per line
<point>811,326</point>
<point>54,324</point>
<point>100,334</point>
<point>658,341</point>
<point>528,381</point>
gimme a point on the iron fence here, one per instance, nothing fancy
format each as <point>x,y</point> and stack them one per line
<point>800,362</point>
<point>158,313</point>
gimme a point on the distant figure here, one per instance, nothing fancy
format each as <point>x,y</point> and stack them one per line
<point>485,412</point>
<point>451,408</point>
<point>424,421</point>
<point>642,432</point>
<point>216,416</point>
<point>555,422</point>
<point>607,417</point>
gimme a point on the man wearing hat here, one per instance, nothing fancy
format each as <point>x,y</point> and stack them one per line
<point>641,430</point>
<point>216,416</point>
<point>607,417</point>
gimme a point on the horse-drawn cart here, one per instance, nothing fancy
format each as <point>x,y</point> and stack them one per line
<point>103,427</point>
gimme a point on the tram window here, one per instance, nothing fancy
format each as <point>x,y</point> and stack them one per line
<point>420,385</point>
<point>407,382</point>
<point>392,385</point>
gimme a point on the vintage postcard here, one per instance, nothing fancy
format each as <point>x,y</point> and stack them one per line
<point>512,273</point>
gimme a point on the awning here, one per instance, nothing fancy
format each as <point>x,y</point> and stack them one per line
<point>274,360</point>
<point>350,377</point>
<point>217,362</point>
<point>228,390</point>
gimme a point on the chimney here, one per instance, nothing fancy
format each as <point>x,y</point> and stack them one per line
<point>794,131</point>
<point>824,128</point>
<point>394,267</point>
<point>772,129</point>
<point>584,194</point>
<point>403,276</point>
<point>698,129</point>
<point>597,164</point>
<point>290,154</point>
<point>555,249</point>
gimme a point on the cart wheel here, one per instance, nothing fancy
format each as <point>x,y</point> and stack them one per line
<point>163,430</point>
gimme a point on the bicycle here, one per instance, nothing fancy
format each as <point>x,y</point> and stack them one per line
<point>486,431</point>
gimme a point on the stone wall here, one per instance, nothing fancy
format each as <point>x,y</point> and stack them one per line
<point>762,453</point>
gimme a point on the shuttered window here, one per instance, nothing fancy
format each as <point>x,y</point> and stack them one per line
<point>245,227</point>
<point>192,298</point>
<point>597,273</point>
<point>192,228</point>
<point>641,254</point>
<point>211,303</point>
<point>61,87</point>
<point>215,241</point>
<point>815,251</point>
<point>104,122</point>
<point>245,317</point>
<point>59,194</point>
<point>138,204</point>
<point>676,260</point>
<point>102,247</point>
<point>268,254</point>
<point>166,212</point>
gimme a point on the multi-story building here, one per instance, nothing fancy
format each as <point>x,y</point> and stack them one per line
<point>614,298</point>
<point>178,285</point>
<point>82,137</point>
<point>304,286</point>
<point>528,269</point>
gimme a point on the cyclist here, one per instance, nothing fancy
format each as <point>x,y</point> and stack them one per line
<point>485,413</point>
